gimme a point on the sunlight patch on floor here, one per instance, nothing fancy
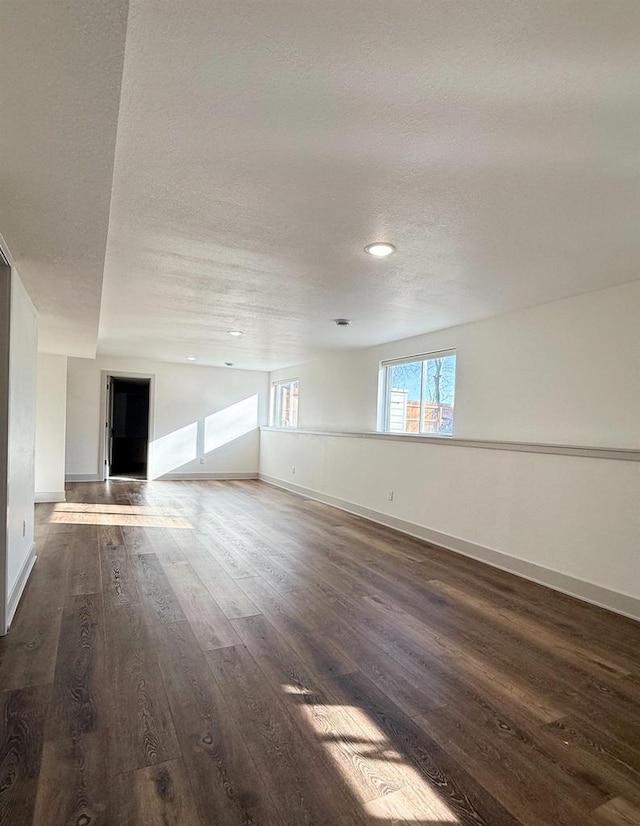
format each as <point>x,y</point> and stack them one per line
<point>97,515</point>
<point>381,778</point>
<point>86,507</point>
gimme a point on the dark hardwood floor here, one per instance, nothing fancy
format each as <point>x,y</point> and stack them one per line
<point>221,653</point>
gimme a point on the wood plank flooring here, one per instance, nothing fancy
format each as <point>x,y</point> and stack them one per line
<point>226,653</point>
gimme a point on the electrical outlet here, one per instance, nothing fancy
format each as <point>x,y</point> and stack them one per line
<point>293,470</point>
<point>390,496</point>
<point>202,460</point>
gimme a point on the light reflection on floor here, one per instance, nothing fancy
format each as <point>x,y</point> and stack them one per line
<point>82,513</point>
<point>388,787</point>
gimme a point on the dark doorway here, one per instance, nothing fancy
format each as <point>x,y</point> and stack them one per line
<point>129,427</point>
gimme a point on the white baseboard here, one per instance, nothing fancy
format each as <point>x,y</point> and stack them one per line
<point>50,496</point>
<point>203,477</point>
<point>21,581</point>
<point>598,595</point>
<point>82,477</point>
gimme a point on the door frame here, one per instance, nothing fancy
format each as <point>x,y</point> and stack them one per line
<point>105,375</point>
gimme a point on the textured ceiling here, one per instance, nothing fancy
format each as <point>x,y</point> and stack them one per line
<point>261,145</point>
<point>60,73</point>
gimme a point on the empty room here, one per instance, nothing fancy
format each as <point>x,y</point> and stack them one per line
<point>320,413</point>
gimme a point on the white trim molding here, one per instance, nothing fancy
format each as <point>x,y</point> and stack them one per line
<point>623,454</point>
<point>20,583</point>
<point>82,477</point>
<point>50,496</point>
<point>598,595</point>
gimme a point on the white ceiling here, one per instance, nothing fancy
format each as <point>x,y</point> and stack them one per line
<point>60,74</point>
<point>261,145</point>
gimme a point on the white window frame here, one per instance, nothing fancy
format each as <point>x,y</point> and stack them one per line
<point>384,407</point>
<point>274,403</point>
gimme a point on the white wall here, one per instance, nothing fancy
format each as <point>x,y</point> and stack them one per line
<point>22,426</point>
<point>563,373</point>
<point>51,416</point>
<point>206,413</point>
<point>566,372</point>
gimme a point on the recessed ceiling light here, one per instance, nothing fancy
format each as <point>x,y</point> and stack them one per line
<point>380,249</point>
<point>342,322</point>
<point>191,358</point>
<point>235,333</point>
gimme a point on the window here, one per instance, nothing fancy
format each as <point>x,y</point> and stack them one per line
<point>284,403</point>
<point>418,394</point>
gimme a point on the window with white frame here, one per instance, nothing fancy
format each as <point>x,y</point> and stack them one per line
<point>284,403</point>
<point>418,394</point>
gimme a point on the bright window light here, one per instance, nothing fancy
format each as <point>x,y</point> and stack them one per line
<point>284,403</point>
<point>231,423</point>
<point>389,787</point>
<point>419,394</point>
<point>174,450</point>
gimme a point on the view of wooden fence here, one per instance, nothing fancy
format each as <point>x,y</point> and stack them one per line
<point>436,417</point>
